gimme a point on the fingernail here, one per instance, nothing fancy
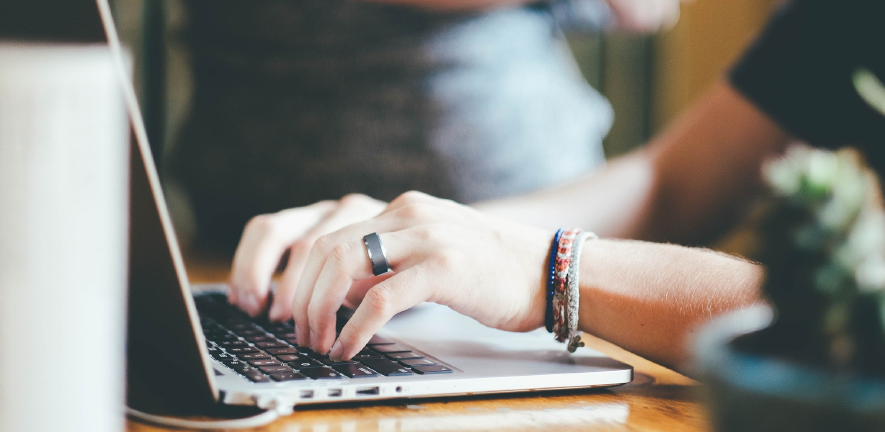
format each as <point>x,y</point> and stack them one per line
<point>337,351</point>
<point>275,312</point>
<point>249,303</point>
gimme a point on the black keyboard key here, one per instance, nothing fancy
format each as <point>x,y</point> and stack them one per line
<point>320,373</point>
<point>286,335</point>
<point>278,329</point>
<point>291,341</point>
<point>214,332</point>
<point>224,338</point>
<point>242,350</point>
<point>390,348</point>
<point>248,369</point>
<point>324,359</point>
<point>239,325</point>
<point>288,357</point>
<point>251,332</point>
<point>259,338</point>
<point>282,377</point>
<point>264,362</point>
<point>366,354</point>
<point>233,344</point>
<point>271,344</point>
<point>305,362</point>
<point>408,355</point>
<point>276,369</point>
<point>255,356</point>
<point>236,365</point>
<point>378,340</point>
<point>257,377</point>
<point>278,351</point>
<point>433,369</point>
<point>387,368</point>
<point>355,370</point>
<point>222,356</point>
<point>418,362</point>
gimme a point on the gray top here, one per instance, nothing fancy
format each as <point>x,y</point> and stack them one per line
<point>299,101</point>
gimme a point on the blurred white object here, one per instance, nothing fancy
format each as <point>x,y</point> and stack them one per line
<point>63,239</point>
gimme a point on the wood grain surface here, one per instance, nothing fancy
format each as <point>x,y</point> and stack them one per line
<point>658,399</point>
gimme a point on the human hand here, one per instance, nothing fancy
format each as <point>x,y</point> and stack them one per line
<point>266,240</point>
<point>442,252</point>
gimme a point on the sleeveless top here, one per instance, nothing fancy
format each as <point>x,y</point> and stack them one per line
<point>298,101</point>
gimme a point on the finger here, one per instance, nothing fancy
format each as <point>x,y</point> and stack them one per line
<point>410,198</point>
<point>386,299</point>
<point>317,259</point>
<point>349,208</point>
<point>348,262</point>
<point>265,239</point>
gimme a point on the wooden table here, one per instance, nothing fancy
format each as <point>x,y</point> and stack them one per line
<point>658,399</point>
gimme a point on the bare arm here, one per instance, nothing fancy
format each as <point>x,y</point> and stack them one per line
<point>650,298</point>
<point>689,184</point>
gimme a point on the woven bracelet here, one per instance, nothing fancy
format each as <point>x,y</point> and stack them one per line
<point>548,311</point>
<point>574,293</point>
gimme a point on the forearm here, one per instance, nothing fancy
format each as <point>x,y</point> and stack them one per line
<point>651,298</point>
<point>689,184</point>
<point>614,201</point>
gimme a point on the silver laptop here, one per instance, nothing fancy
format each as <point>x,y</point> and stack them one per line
<point>189,351</point>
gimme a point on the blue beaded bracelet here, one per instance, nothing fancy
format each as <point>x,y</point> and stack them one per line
<point>548,315</point>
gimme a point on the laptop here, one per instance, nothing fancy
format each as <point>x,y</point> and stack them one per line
<point>189,351</point>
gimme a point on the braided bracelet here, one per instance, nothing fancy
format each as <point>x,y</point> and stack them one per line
<point>574,293</point>
<point>548,311</point>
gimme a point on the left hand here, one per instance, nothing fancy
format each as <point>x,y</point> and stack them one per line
<point>486,268</point>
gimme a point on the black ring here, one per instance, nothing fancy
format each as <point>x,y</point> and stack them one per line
<point>376,254</point>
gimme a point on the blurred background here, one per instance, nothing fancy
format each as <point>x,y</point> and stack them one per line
<point>649,79</point>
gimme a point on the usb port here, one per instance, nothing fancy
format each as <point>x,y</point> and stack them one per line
<point>334,392</point>
<point>368,391</point>
<point>306,394</point>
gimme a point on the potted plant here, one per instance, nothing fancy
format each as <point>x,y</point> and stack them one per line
<point>817,361</point>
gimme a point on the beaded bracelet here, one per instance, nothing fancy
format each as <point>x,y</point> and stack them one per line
<point>560,283</point>
<point>548,312</point>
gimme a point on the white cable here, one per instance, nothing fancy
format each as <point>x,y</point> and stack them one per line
<point>178,423</point>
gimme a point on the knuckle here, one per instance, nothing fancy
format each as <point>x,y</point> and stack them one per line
<point>379,299</point>
<point>355,200</point>
<point>410,197</point>
<point>263,223</point>
<point>415,212</point>
<point>425,234</point>
<point>323,244</point>
<point>447,259</point>
<point>341,252</point>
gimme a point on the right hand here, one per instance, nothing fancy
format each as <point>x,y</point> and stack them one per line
<point>268,237</point>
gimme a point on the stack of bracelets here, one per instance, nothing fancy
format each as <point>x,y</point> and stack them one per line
<point>563,296</point>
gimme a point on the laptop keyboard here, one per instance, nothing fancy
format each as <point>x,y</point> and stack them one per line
<point>265,351</point>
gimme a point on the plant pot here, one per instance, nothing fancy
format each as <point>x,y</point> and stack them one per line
<point>751,392</point>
